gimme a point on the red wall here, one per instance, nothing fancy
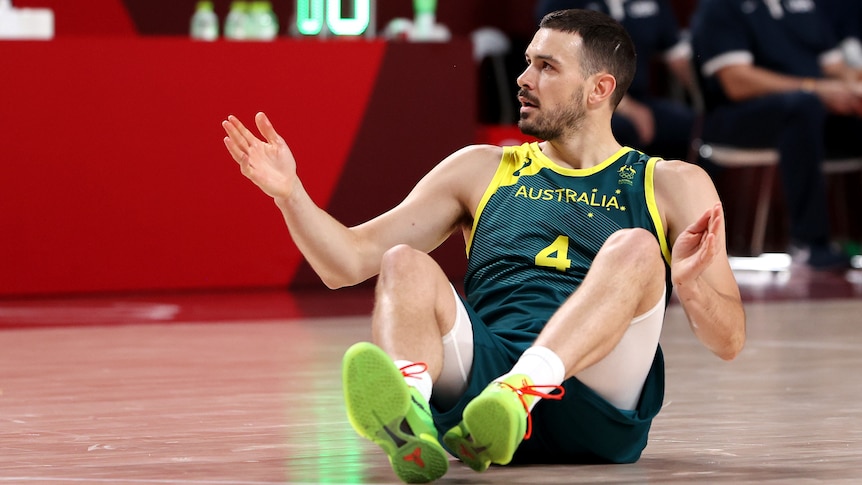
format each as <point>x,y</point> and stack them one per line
<point>120,181</point>
<point>116,179</point>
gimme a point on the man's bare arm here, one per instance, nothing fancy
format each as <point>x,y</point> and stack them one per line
<point>700,269</point>
<point>341,255</point>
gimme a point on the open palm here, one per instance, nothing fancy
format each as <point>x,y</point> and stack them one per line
<point>696,247</point>
<point>268,163</point>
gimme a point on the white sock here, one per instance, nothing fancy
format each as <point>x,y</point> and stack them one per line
<point>542,366</point>
<point>421,380</point>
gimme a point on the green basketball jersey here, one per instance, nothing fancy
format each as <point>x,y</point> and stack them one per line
<point>539,227</point>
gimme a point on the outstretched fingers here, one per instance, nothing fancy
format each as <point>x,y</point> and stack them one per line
<point>235,151</point>
<point>243,136</point>
<point>716,218</point>
<point>709,222</point>
<point>709,244</point>
<point>234,141</point>
<point>702,224</point>
<point>266,129</point>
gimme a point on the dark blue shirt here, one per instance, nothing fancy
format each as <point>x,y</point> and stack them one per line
<point>650,23</point>
<point>787,36</point>
<point>845,16</point>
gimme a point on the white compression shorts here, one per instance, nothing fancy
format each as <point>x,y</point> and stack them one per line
<point>618,377</point>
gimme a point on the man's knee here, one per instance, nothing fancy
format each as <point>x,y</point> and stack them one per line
<point>632,240</point>
<point>637,253</point>
<point>415,279</point>
<point>401,260</point>
<point>634,246</point>
<point>403,264</point>
<point>396,257</point>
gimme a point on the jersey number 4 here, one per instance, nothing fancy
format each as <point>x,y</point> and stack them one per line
<point>555,255</point>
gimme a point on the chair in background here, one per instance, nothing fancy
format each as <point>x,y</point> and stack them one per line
<point>765,161</point>
<point>761,161</point>
<point>838,172</point>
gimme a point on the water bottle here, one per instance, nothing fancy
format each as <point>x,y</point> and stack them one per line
<point>236,23</point>
<point>262,20</point>
<point>425,25</point>
<point>204,25</point>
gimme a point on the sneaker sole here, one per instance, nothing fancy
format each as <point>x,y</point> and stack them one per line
<point>489,433</point>
<point>377,402</point>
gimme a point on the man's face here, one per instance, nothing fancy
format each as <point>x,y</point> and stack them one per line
<point>552,86</point>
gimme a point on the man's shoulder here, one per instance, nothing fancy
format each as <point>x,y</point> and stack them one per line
<point>678,182</point>
<point>675,170</point>
<point>477,154</point>
<point>683,192</point>
<point>470,163</point>
<point>481,150</point>
<point>676,178</point>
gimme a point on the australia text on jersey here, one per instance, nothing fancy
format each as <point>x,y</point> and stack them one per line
<point>569,196</point>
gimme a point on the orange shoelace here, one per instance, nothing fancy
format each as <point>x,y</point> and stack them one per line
<point>532,390</point>
<point>420,368</point>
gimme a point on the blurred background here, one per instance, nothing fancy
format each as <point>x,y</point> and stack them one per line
<point>115,177</point>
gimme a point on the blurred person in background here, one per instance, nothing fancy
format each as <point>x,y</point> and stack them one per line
<point>773,76</point>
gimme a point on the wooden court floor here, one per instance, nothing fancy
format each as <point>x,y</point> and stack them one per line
<point>245,389</point>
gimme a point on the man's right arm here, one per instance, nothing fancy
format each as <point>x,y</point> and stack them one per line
<point>344,256</point>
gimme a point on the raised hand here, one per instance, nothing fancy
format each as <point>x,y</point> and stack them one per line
<point>697,246</point>
<point>268,163</point>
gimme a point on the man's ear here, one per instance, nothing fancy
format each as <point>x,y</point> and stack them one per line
<point>603,88</point>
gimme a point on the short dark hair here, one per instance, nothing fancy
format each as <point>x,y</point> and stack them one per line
<point>606,44</point>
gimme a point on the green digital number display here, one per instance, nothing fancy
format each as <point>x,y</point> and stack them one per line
<point>312,16</point>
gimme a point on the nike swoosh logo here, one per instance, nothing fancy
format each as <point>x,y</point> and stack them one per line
<point>526,164</point>
<point>421,406</point>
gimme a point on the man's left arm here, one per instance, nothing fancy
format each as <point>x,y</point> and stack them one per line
<point>700,270</point>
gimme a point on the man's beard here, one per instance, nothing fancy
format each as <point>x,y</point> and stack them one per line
<point>552,125</point>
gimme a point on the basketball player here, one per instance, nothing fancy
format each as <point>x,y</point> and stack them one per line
<point>573,243</point>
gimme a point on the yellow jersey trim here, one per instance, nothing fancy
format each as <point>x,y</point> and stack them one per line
<point>503,170</point>
<point>548,163</point>
<point>652,207</point>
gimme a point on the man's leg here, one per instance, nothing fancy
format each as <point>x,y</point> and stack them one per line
<point>619,377</point>
<point>387,388</point>
<point>626,280</point>
<point>414,308</point>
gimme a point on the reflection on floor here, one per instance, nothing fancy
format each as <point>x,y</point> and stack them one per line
<point>244,388</point>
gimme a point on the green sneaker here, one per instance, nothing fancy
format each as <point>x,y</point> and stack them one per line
<point>495,422</point>
<point>384,409</point>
